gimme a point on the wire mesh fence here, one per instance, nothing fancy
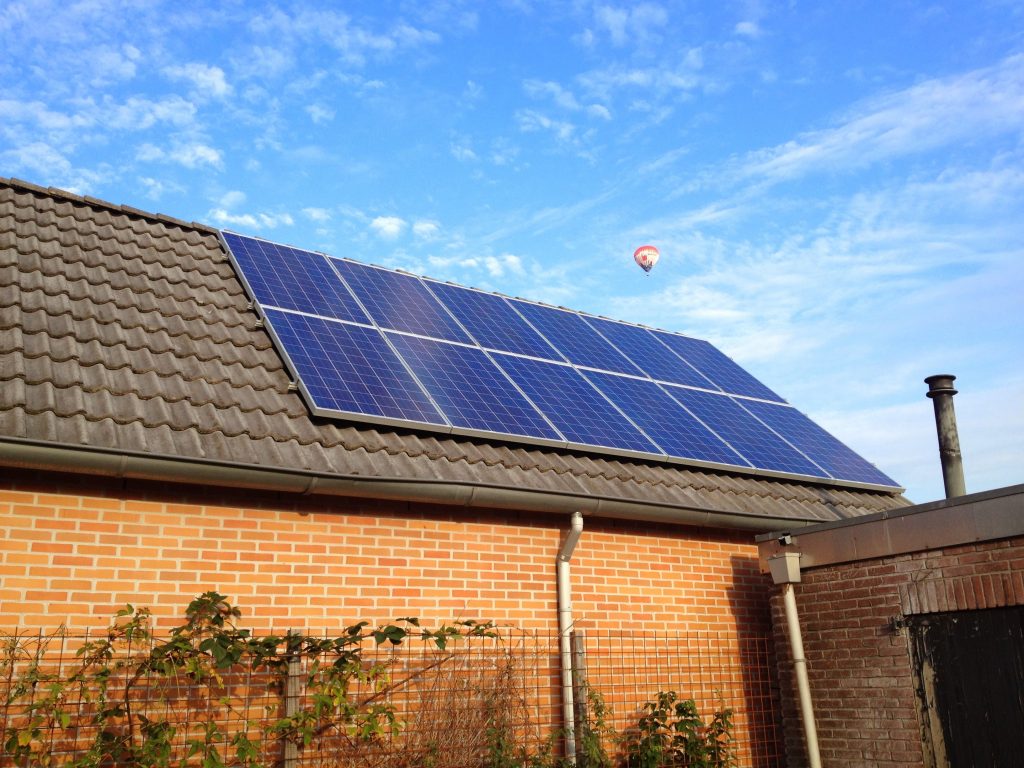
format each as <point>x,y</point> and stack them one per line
<point>480,701</point>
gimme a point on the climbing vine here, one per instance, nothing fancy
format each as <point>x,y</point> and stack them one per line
<point>115,705</point>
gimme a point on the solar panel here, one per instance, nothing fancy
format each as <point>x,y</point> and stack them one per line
<point>371,344</point>
<point>574,339</point>
<point>676,431</point>
<point>292,279</point>
<point>716,366</point>
<point>579,411</point>
<point>748,436</point>
<point>398,301</point>
<point>492,321</point>
<point>351,369</point>
<point>828,452</point>
<point>471,391</point>
<point>656,359</point>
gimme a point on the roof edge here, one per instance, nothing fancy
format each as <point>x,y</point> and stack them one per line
<point>62,194</point>
<point>974,518</point>
<point>31,454</point>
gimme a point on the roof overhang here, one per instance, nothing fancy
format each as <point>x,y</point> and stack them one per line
<point>29,454</point>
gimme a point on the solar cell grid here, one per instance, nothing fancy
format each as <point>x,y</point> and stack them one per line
<point>492,322</point>
<point>399,302</point>
<point>573,405</point>
<point>657,360</point>
<point>762,447</point>
<point>390,357</point>
<point>471,391</point>
<point>831,454</point>
<point>574,339</point>
<point>716,366</point>
<point>675,431</point>
<point>350,368</point>
<point>280,276</point>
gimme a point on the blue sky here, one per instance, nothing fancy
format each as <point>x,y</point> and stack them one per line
<point>837,188</point>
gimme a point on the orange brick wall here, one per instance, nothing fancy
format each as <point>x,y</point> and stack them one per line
<point>73,550</point>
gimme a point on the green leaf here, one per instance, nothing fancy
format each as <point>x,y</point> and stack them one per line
<point>355,629</point>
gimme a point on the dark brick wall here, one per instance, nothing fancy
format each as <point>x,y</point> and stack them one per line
<point>859,666</point>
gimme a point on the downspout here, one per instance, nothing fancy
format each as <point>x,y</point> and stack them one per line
<point>785,570</point>
<point>565,622</point>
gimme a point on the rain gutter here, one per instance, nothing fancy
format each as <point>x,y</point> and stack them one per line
<point>138,465</point>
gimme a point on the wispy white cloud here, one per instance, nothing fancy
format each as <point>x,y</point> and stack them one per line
<point>635,25</point>
<point>231,199</point>
<point>680,78</point>
<point>135,113</point>
<point>462,151</point>
<point>110,64</point>
<point>503,152</point>
<point>494,266</point>
<point>263,62</point>
<point>191,155</point>
<point>318,215</point>
<point>406,35</point>
<point>157,188</point>
<point>353,213</point>
<point>426,229</point>
<point>40,160</point>
<point>559,95</point>
<point>206,80</point>
<point>353,41</point>
<point>748,29</point>
<point>320,114</point>
<point>41,116</point>
<point>251,221</point>
<point>958,110</point>
<point>530,120</point>
<point>473,91</point>
<point>497,266</point>
<point>563,98</point>
<point>388,227</point>
<point>67,127</point>
<point>37,157</point>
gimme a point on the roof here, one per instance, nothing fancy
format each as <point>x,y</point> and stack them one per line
<point>128,334</point>
<point>951,522</point>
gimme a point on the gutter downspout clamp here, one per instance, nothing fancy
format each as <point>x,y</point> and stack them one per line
<point>565,623</point>
<point>785,570</point>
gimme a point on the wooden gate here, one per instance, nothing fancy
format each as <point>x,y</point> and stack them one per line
<point>969,669</point>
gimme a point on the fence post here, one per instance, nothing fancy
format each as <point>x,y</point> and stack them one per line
<point>292,697</point>
<point>579,690</point>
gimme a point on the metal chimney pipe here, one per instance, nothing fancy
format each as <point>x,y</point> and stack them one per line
<point>941,391</point>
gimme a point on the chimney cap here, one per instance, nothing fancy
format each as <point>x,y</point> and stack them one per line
<point>941,384</point>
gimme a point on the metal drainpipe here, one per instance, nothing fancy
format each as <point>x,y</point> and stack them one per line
<point>941,391</point>
<point>785,570</point>
<point>564,629</point>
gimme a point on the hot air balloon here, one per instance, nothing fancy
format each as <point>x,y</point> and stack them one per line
<point>646,256</point>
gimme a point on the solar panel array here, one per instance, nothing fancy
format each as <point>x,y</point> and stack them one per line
<point>381,346</point>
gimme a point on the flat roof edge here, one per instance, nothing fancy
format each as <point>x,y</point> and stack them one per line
<point>977,517</point>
